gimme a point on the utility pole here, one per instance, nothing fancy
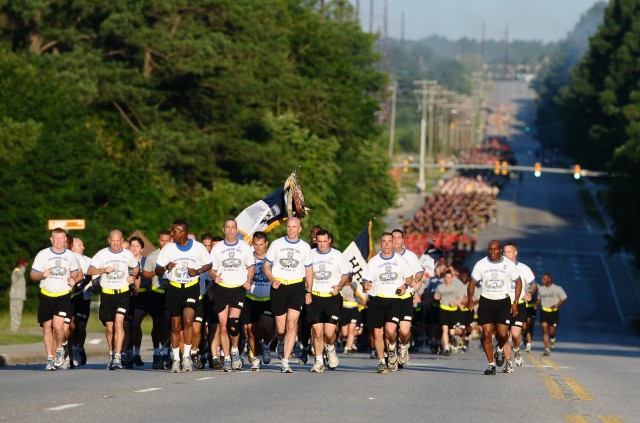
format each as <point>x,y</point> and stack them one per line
<point>425,94</point>
<point>402,32</point>
<point>371,17</point>
<point>392,123</point>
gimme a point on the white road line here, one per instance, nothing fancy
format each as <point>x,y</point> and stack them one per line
<point>148,390</point>
<point>205,378</point>
<point>95,341</point>
<point>64,407</point>
<point>613,289</point>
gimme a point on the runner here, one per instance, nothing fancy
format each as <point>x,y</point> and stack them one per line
<point>529,286</point>
<point>56,270</point>
<point>82,305</point>
<point>232,272</point>
<point>551,297</point>
<point>117,269</point>
<point>330,274</point>
<point>184,259</point>
<point>256,314</point>
<point>451,295</point>
<point>288,268</point>
<point>495,310</point>
<point>390,276</point>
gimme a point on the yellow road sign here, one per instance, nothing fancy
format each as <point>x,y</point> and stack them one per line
<point>66,224</point>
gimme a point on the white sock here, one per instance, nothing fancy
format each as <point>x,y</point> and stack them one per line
<point>318,358</point>
<point>176,353</point>
<point>234,350</point>
<point>392,347</point>
<point>331,347</point>
<point>187,350</point>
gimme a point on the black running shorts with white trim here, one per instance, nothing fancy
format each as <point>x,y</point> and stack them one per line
<point>349,315</point>
<point>112,304</point>
<point>550,317</point>
<point>324,309</point>
<point>287,297</point>
<point>232,297</point>
<point>494,311</point>
<point>521,317</point>
<point>253,311</point>
<point>383,310</point>
<point>52,306</point>
<point>181,298</point>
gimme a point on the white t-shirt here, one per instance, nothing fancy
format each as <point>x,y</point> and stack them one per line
<point>232,262</point>
<point>194,255</point>
<point>328,269</point>
<point>413,260</point>
<point>150,266</point>
<point>121,261</point>
<point>289,259</point>
<point>527,278</point>
<point>387,274</point>
<point>496,278</point>
<point>61,265</point>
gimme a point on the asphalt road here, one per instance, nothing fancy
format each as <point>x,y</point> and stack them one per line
<point>591,376</point>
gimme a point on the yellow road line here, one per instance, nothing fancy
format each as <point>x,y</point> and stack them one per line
<point>574,418</point>
<point>552,388</point>
<point>535,362</point>
<point>550,364</point>
<point>611,419</point>
<point>582,393</point>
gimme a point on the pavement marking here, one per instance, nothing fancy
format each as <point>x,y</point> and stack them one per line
<point>552,388</point>
<point>574,418</point>
<point>148,390</point>
<point>205,378</point>
<point>550,364</point>
<point>613,289</point>
<point>580,392</point>
<point>95,341</point>
<point>64,407</point>
<point>535,362</point>
<point>611,419</point>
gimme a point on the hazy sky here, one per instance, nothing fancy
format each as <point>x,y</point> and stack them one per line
<point>546,20</point>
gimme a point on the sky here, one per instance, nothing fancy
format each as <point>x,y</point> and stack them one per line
<point>545,20</point>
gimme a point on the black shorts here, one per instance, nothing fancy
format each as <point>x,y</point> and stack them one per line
<point>494,311</point>
<point>465,318</point>
<point>157,303</point>
<point>253,310</point>
<point>383,310</point>
<point>449,318</point>
<point>112,304</point>
<point>521,317</point>
<point>532,312</point>
<point>407,310</point>
<point>433,314</point>
<point>232,297</point>
<point>349,315</point>
<point>81,307</point>
<point>324,309</point>
<point>143,300</point>
<point>52,306</point>
<point>181,298</point>
<point>287,297</point>
<point>550,317</point>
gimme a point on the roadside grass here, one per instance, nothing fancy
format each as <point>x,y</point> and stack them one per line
<point>589,206</point>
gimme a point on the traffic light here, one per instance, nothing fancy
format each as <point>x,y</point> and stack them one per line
<point>496,167</point>
<point>576,171</point>
<point>441,165</point>
<point>505,168</point>
<point>537,169</point>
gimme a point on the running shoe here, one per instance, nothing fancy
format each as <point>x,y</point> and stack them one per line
<point>393,367</point>
<point>517,357</point>
<point>373,355</point>
<point>528,349</point>
<point>226,367</point>
<point>285,368</point>
<point>491,370</point>
<point>137,360</point>
<point>58,361</point>
<point>76,356</point>
<point>127,361</point>
<point>266,354</point>
<point>66,363</point>
<point>280,350</point>
<point>403,355</point>
<point>156,364</point>
<point>110,362</point>
<point>255,364</point>
<point>463,349</point>
<point>187,363</point>
<point>117,362</point>
<point>348,351</point>
<point>508,367</point>
<point>318,367</point>
<point>197,363</point>
<point>382,368</point>
<point>83,357</point>
<point>50,365</point>
<point>214,362</point>
<point>552,343</point>
<point>166,362</point>
<point>236,361</point>
<point>393,356</point>
<point>446,352</point>
<point>499,357</point>
<point>175,367</point>
<point>332,359</point>
<point>547,352</point>
<point>304,356</point>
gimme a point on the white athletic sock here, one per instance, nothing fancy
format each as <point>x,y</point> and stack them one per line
<point>176,353</point>
<point>392,347</point>
<point>516,349</point>
<point>318,358</point>
<point>187,350</point>
<point>492,364</point>
<point>235,350</point>
<point>331,347</point>
<point>499,349</point>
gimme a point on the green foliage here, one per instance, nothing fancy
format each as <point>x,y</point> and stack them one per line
<point>133,114</point>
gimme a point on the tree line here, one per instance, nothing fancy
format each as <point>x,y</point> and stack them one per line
<point>132,114</point>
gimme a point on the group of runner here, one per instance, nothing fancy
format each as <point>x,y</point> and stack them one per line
<point>205,296</point>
